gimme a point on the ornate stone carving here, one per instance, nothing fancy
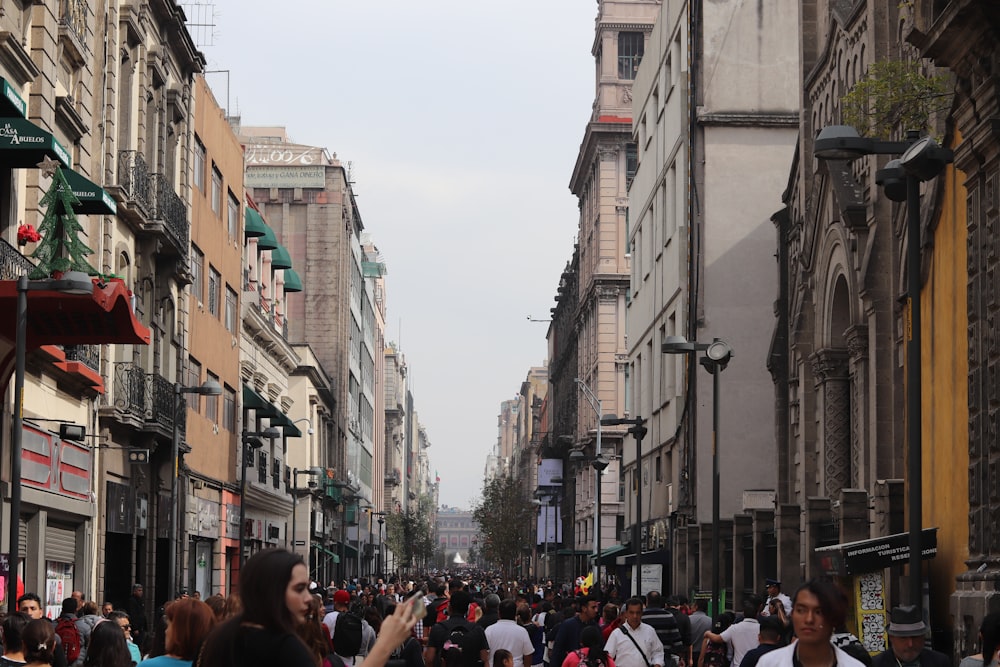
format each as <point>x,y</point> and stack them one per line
<point>829,364</point>
<point>857,341</point>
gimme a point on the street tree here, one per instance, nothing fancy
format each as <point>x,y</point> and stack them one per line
<point>505,517</point>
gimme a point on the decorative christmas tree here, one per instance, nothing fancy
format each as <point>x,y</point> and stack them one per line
<point>61,249</point>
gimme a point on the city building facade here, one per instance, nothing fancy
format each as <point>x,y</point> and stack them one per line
<point>714,124</point>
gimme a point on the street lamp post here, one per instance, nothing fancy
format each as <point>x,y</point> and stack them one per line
<point>717,356</point>
<point>379,564</point>
<point>921,160</point>
<point>72,282</point>
<point>595,403</point>
<point>249,441</point>
<point>312,473</point>
<point>638,431</point>
<point>209,387</point>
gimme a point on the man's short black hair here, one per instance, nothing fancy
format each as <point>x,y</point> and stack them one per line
<point>654,600</point>
<point>633,601</point>
<point>69,606</point>
<point>508,609</point>
<point>771,628</point>
<point>458,605</point>
<point>456,585</point>
<point>751,606</point>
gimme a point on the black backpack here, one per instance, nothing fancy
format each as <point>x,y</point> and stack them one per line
<point>347,634</point>
<point>454,644</point>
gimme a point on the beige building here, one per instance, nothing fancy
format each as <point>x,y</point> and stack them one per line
<point>604,169</point>
<point>702,267</point>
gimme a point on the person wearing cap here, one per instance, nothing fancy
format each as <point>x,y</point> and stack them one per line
<point>817,609</point>
<point>907,634</point>
<point>774,593</point>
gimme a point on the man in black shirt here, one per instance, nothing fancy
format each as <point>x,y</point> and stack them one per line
<point>667,629</point>
<point>475,650</point>
<point>568,634</point>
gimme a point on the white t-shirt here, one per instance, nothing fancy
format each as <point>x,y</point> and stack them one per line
<point>511,636</point>
<point>743,637</point>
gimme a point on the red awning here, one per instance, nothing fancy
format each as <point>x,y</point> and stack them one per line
<point>55,318</point>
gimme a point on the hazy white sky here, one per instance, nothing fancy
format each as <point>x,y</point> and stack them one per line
<point>462,120</point>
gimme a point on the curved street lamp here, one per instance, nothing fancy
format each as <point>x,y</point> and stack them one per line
<point>921,159</point>
<point>717,356</point>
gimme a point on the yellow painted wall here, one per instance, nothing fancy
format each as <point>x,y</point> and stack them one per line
<point>944,354</point>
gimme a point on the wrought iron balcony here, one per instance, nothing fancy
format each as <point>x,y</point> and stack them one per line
<point>87,354</point>
<point>133,182</point>
<point>13,264</point>
<point>73,19</point>
<point>146,397</point>
<point>171,211</point>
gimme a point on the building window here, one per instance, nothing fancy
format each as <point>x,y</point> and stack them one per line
<point>214,285</point>
<point>631,163</point>
<point>194,380</point>
<point>216,190</point>
<point>233,216</point>
<point>212,402</point>
<point>630,46</point>
<point>229,409</point>
<point>197,275</point>
<point>199,164</point>
<point>230,309</point>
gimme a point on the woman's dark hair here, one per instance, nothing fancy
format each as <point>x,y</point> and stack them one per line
<point>592,639</point>
<point>832,600</point>
<point>107,647</point>
<point>89,608</point>
<point>13,627</point>
<point>263,582</point>
<point>989,630</point>
<point>39,640</point>
<point>313,633</point>
<point>500,655</point>
<point>374,618</point>
<point>217,604</point>
<point>723,621</point>
<point>190,621</point>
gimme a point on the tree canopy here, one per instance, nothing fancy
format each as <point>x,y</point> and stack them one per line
<point>505,519</point>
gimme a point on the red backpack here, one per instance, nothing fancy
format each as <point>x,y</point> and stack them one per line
<point>70,636</point>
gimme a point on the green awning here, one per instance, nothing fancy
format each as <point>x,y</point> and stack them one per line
<point>253,224</point>
<point>24,144</point>
<point>11,102</point>
<point>286,424</point>
<point>349,551</point>
<point>293,283</point>
<point>268,241</point>
<point>93,198</point>
<point>280,259</point>
<point>322,549</point>
<point>254,401</point>
<point>614,550</point>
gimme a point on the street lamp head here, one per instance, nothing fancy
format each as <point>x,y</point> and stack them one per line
<point>72,282</point>
<point>600,463</point>
<point>840,142</point>
<point>925,159</point>
<point>676,345</point>
<point>892,178</point>
<point>720,352</point>
<point>577,456</point>
<point>210,387</point>
<point>308,421</point>
<point>271,433</point>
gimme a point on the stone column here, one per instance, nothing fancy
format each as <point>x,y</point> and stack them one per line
<point>854,515</point>
<point>819,513</point>
<point>787,527</point>
<point>765,552</point>
<point>830,369</point>
<point>857,349</point>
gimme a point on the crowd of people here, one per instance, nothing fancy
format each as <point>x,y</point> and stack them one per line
<point>280,617</point>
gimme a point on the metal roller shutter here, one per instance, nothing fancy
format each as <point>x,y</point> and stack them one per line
<point>22,546</point>
<point>60,544</point>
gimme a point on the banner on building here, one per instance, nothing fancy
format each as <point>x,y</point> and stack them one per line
<point>550,472</point>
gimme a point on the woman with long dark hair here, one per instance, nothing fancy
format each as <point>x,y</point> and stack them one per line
<point>107,647</point>
<point>39,639</point>
<point>591,652</point>
<point>274,589</point>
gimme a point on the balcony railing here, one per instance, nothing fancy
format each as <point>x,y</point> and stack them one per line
<point>133,178</point>
<point>13,264</point>
<point>171,210</point>
<point>148,397</point>
<point>74,16</point>
<point>87,354</point>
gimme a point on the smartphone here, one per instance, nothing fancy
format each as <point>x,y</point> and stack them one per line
<point>416,598</point>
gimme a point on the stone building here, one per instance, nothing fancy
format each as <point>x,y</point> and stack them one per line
<point>715,122</point>
<point>604,168</point>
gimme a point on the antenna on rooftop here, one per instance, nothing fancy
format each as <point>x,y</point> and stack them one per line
<point>200,22</point>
